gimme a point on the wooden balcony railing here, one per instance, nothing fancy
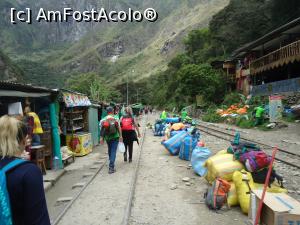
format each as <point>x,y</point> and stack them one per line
<point>284,55</point>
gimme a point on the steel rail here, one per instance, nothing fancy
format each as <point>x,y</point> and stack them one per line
<point>249,140</point>
<point>129,204</point>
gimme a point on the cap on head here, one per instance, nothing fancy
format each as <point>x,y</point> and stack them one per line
<point>110,110</point>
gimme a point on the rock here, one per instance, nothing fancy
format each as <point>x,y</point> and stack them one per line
<point>271,125</point>
<point>186,179</point>
<point>282,125</point>
<point>291,191</point>
<point>173,187</point>
<point>297,121</point>
<point>188,184</point>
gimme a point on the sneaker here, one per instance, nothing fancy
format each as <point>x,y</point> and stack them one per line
<point>111,170</point>
<point>130,160</point>
<point>125,158</point>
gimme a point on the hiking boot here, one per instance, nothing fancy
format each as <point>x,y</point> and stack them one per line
<point>125,158</point>
<point>130,160</point>
<point>111,170</point>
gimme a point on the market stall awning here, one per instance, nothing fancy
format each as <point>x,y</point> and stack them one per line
<point>75,99</point>
<point>11,89</point>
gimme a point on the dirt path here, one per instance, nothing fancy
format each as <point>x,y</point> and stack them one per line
<point>287,138</point>
<point>161,197</point>
<point>155,201</point>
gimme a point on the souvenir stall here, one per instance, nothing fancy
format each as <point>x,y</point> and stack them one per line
<point>17,100</point>
<point>74,115</point>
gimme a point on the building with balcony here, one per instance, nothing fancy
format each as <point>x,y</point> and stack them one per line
<point>270,64</point>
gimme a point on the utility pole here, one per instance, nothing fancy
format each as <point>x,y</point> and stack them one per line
<point>127,90</point>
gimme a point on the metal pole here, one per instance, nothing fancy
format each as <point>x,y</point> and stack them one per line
<point>127,90</point>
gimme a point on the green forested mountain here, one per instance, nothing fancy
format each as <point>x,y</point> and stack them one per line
<point>168,60</point>
<point>112,50</point>
<point>8,70</point>
<point>189,74</point>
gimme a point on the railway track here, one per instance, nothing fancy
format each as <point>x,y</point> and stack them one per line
<point>284,156</point>
<point>129,204</point>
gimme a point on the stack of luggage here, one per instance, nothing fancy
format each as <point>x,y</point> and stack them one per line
<point>244,166</point>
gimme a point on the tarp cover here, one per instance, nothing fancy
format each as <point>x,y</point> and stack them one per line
<point>73,100</point>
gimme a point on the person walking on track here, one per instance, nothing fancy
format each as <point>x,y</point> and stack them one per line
<point>129,128</point>
<point>22,196</point>
<point>111,132</point>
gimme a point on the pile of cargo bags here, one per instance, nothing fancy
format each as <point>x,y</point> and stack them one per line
<point>243,165</point>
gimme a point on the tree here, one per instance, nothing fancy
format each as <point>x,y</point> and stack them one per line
<point>201,80</point>
<point>94,86</point>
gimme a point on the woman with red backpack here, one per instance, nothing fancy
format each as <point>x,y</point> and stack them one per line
<point>129,128</point>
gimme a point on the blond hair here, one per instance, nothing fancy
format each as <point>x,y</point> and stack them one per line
<point>12,132</point>
<point>128,110</point>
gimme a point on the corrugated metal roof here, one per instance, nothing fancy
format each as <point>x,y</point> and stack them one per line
<point>269,36</point>
<point>7,85</point>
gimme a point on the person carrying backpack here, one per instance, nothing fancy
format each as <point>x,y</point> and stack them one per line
<point>129,128</point>
<point>22,196</point>
<point>111,132</point>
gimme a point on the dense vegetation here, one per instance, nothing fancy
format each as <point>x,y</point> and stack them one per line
<point>94,86</point>
<point>188,74</point>
<point>9,70</point>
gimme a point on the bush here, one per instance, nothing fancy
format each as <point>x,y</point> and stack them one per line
<point>211,116</point>
<point>232,98</point>
<point>243,122</point>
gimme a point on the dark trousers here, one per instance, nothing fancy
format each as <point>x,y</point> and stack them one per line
<point>129,148</point>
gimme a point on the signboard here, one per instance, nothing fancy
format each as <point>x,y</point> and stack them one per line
<point>73,100</point>
<point>275,108</point>
<point>199,100</point>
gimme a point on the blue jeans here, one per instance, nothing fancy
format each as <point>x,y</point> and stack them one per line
<point>112,151</point>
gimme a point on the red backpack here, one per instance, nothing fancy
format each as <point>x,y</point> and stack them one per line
<point>110,125</point>
<point>127,123</point>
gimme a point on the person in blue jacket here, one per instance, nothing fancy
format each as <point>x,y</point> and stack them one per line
<point>25,181</point>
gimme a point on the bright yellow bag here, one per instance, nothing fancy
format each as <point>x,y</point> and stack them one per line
<point>243,192</point>
<point>275,188</point>
<point>232,198</point>
<point>221,152</point>
<point>223,166</point>
<point>241,180</point>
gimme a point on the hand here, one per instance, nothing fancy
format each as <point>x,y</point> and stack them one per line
<point>120,139</point>
<point>139,135</point>
<point>101,141</point>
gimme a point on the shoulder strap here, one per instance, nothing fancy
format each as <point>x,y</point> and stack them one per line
<point>13,164</point>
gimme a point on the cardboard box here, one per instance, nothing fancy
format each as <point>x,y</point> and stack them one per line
<point>278,209</point>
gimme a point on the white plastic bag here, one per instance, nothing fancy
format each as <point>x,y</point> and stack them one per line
<point>121,147</point>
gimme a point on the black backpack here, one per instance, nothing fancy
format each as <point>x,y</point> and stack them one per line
<point>261,175</point>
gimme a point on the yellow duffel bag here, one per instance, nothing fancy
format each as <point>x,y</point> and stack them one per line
<point>275,188</point>
<point>232,198</point>
<point>223,166</point>
<point>221,152</point>
<point>242,180</point>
